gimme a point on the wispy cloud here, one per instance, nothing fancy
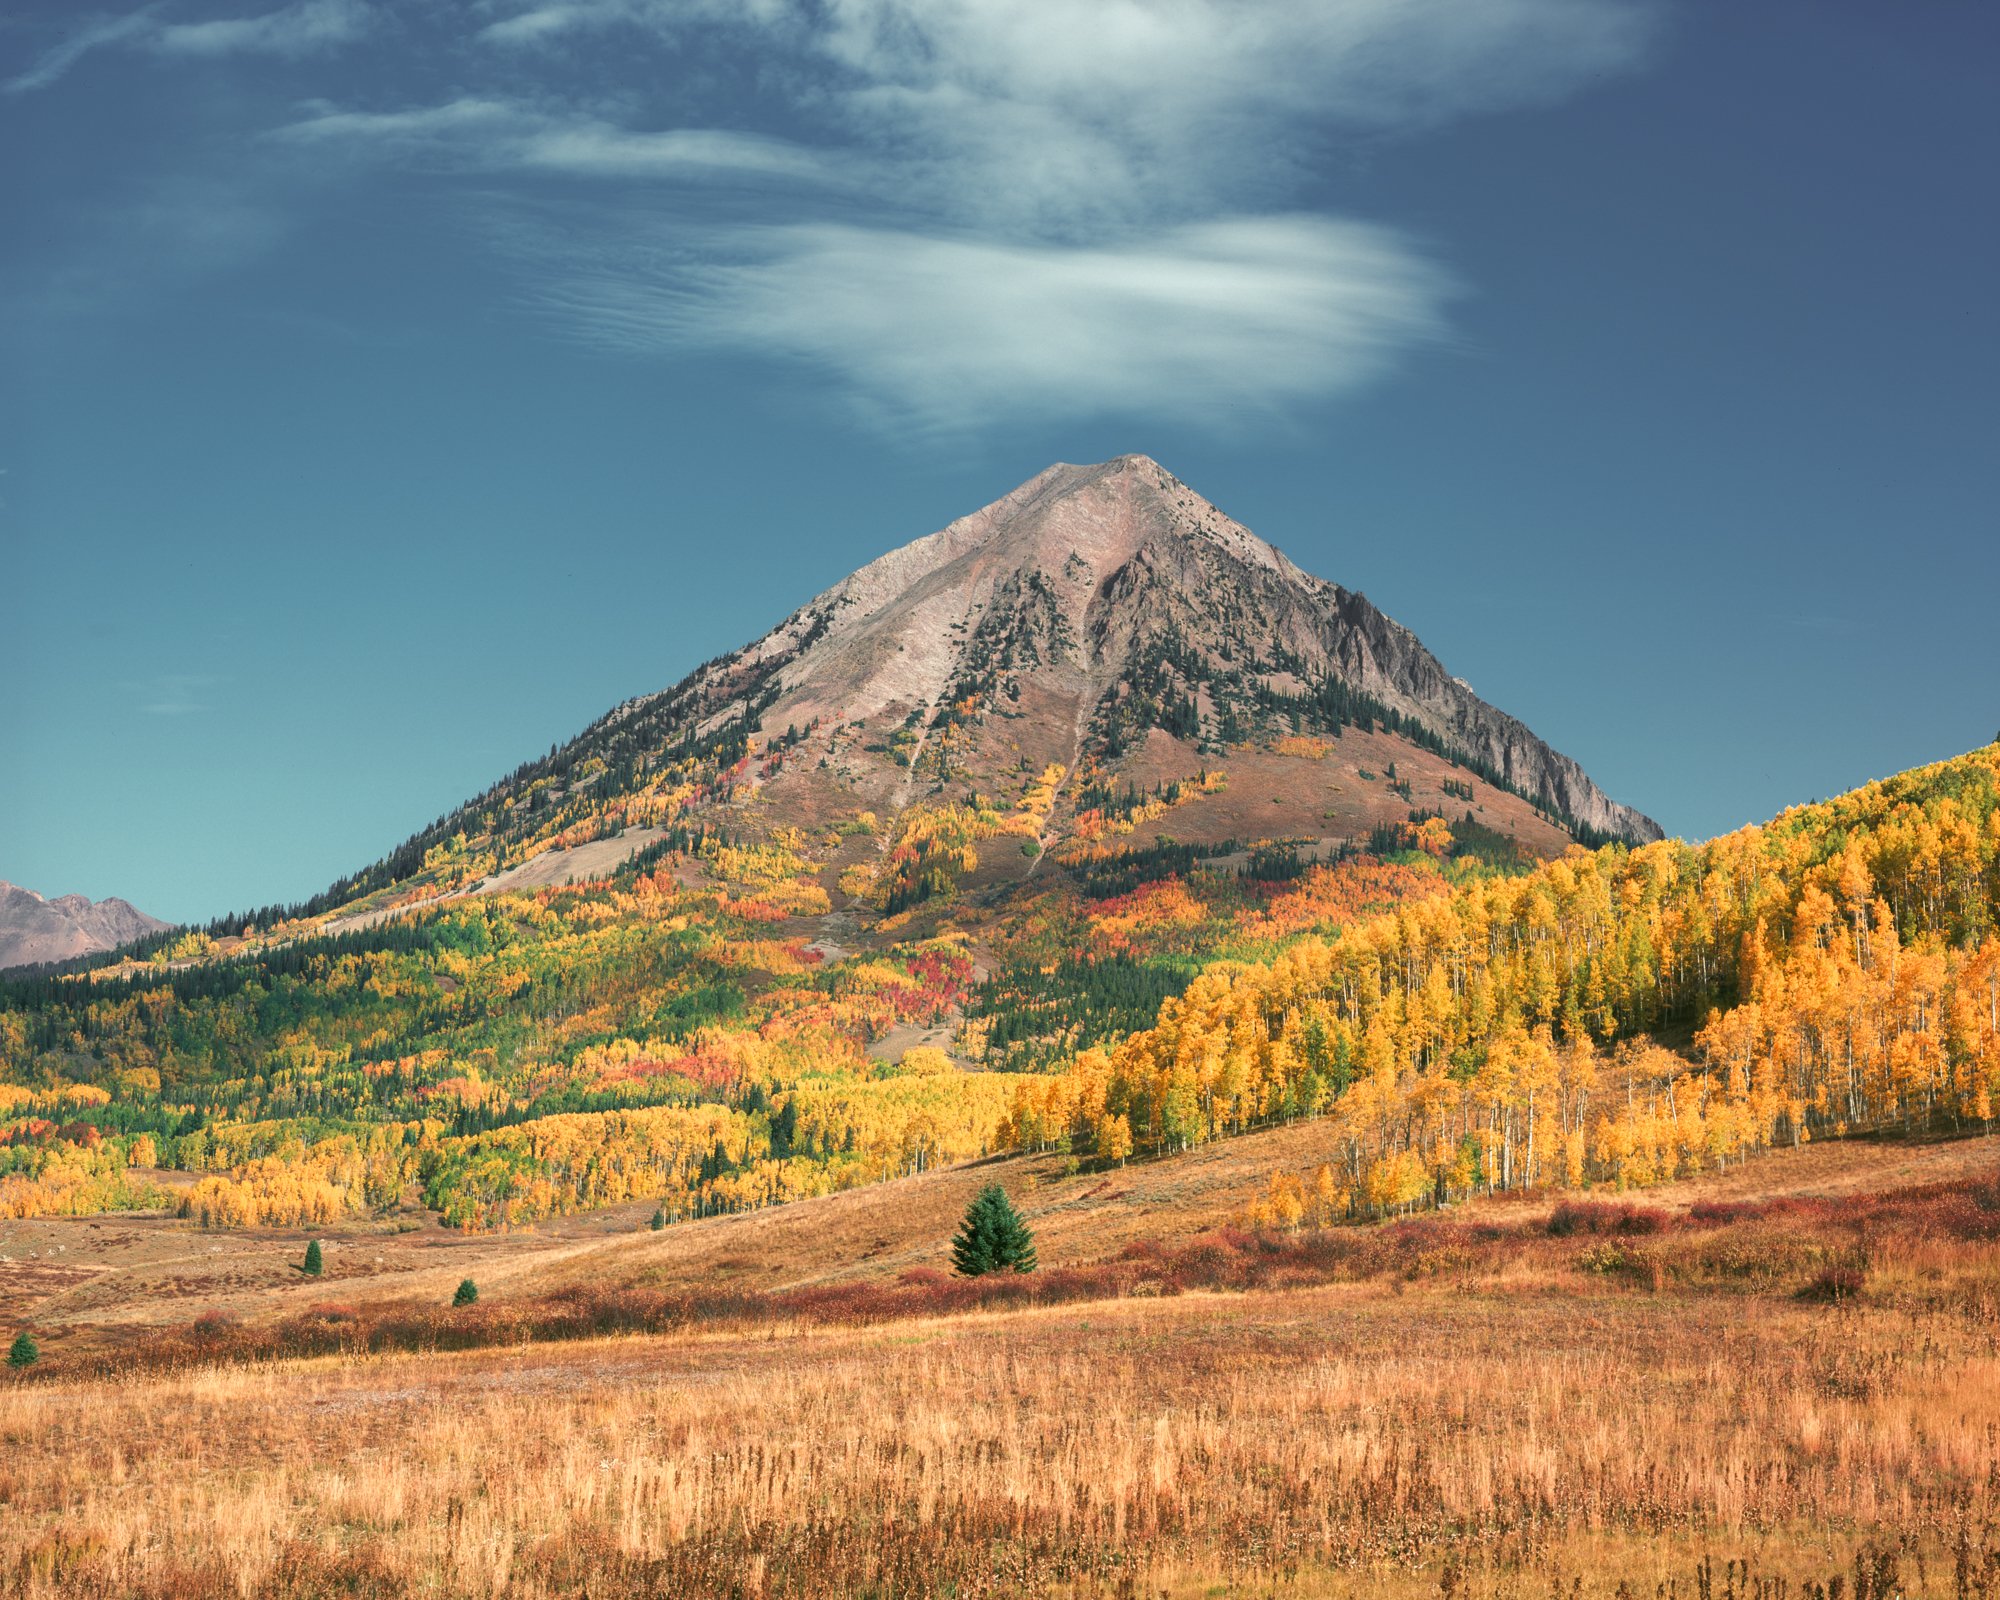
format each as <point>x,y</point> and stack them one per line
<point>1016,204</point>
<point>1203,319</point>
<point>415,130</point>
<point>950,209</point>
<point>92,35</point>
<point>298,30</point>
<point>1045,111</point>
<point>595,147</point>
<point>500,134</point>
<point>539,23</point>
<point>544,24</point>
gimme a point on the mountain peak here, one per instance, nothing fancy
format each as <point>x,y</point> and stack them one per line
<point>1099,602</point>
<point>1104,622</point>
<point>34,929</point>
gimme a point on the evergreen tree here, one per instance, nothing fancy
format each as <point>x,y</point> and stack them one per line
<point>24,1352</point>
<point>993,1237</point>
<point>468,1293</point>
<point>659,1219</point>
<point>314,1264</point>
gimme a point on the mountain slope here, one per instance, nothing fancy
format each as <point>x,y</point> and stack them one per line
<point>1076,622</point>
<point>34,930</point>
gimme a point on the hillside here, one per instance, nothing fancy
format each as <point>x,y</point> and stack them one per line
<point>1783,1387</point>
<point>692,1031</point>
<point>34,931</point>
<point>765,921</point>
<point>1117,869</point>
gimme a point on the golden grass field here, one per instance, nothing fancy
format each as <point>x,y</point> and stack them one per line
<point>1796,1400</point>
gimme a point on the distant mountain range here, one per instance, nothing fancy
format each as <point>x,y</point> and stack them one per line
<point>34,930</point>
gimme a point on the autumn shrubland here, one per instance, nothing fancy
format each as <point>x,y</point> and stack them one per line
<point>1869,1233</point>
<point>1596,1396</point>
<point>1788,1374</point>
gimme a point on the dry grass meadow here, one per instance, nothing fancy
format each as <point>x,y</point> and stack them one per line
<point>1787,1387</point>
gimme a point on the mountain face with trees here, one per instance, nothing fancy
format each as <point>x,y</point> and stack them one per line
<point>1836,971</point>
<point>682,1032</point>
<point>1089,821</point>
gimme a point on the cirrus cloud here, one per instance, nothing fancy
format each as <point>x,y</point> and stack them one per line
<point>499,134</point>
<point>948,210</point>
<point>295,31</point>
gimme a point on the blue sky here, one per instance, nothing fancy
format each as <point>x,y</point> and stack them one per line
<point>386,390</point>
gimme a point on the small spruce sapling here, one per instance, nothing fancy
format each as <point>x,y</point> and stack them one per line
<point>24,1352</point>
<point>315,1263</point>
<point>993,1238</point>
<point>659,1219</point>
<point>468,1293</point>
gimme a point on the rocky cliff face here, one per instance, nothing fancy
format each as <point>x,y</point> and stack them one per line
<point>34,930</point>
<point>1105,600</point>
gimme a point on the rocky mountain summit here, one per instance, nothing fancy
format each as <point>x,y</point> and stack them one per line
<point>1096,603</point>
<point>1118,595</point>
<point>34,930</point>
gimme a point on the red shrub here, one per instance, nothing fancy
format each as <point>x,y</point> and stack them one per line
<point>331,1314</point>
<point>1603,1216</point>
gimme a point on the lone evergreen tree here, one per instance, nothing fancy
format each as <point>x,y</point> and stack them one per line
<point>993,1237</point>
<point>659,1219</point>
<point>24,1352</point>
<point>468,1292</point>
<point>314,1263</point>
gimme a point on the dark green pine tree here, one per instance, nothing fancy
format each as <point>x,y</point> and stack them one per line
<point>993,1238</point>
<point>468,1294</point>
<point>314,1264</point>
<point>25,1352</point>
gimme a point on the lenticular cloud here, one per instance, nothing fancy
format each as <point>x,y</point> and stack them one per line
<point>1239,313</point>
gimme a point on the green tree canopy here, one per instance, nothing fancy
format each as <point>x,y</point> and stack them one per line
<point>468,1292</point>
<point>993,1238</point>
<point>24,1352</point>
<point>314,1263</point>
